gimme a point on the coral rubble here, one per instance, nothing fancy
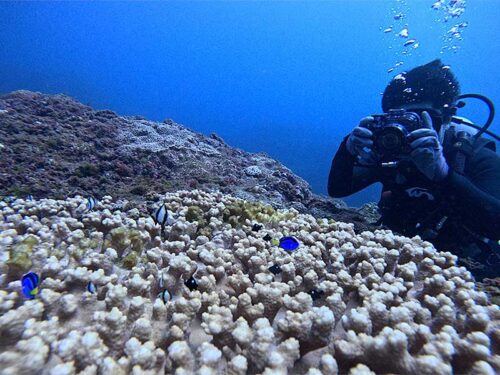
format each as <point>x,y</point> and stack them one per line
<point>383,303</point>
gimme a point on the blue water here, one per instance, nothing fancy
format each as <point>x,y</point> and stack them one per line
<point>286,78</point>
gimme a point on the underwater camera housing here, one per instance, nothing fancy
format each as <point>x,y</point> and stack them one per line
<point>390,133</point>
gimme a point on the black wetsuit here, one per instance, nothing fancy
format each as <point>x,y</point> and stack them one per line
<point>450,214</point>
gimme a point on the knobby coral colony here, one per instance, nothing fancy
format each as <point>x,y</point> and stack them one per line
<point>342,302</point>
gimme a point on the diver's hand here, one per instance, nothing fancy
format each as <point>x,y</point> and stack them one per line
<point>427,152</point>
<point>360,143</point>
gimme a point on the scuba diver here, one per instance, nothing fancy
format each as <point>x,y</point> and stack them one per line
<point>440,176</point>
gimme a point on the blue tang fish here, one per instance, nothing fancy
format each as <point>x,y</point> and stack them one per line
<point>289,243</point>
<point>30,283</point>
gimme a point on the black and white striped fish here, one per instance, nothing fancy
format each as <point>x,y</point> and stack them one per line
<point>164,296</point>
<point>161,216</point>
<point>91,288</point>
<point>161,282</point>
<point>91,202</point>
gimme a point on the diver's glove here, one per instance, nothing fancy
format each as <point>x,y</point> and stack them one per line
<point>359,143</point>
<point>427,152</point>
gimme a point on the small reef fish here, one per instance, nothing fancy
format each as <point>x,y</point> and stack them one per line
<point>161,216</point>
<point>275,269</point>
<point>409,42</point>
<point>30,283</point>
<point>267,237</point>
<point>191,284</point>
<point>257,227</point>
<point>9,199</point>
<point>398,16</point>
<point>161,282</point>
<point>91,202</point>
<point>316,294</point>
<point>289,243</point>
<point>164,296</point>
<point>91,288</point>
<point>388,30</point>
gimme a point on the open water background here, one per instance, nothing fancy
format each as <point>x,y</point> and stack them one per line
<point>287,78</point>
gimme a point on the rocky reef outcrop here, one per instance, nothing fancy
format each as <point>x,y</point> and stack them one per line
<point>53,146</point>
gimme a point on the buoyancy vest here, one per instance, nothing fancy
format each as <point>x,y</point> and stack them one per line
<point>425,210</point>
<point>462,146</point>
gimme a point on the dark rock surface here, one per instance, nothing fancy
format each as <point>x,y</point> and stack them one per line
<point>54,146</point>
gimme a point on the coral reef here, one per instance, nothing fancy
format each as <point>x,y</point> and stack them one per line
<point>492,287</point>
<point>74,149</point>
<point>383,303</point>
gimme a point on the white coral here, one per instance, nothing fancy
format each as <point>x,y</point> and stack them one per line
<point>387,303</point>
